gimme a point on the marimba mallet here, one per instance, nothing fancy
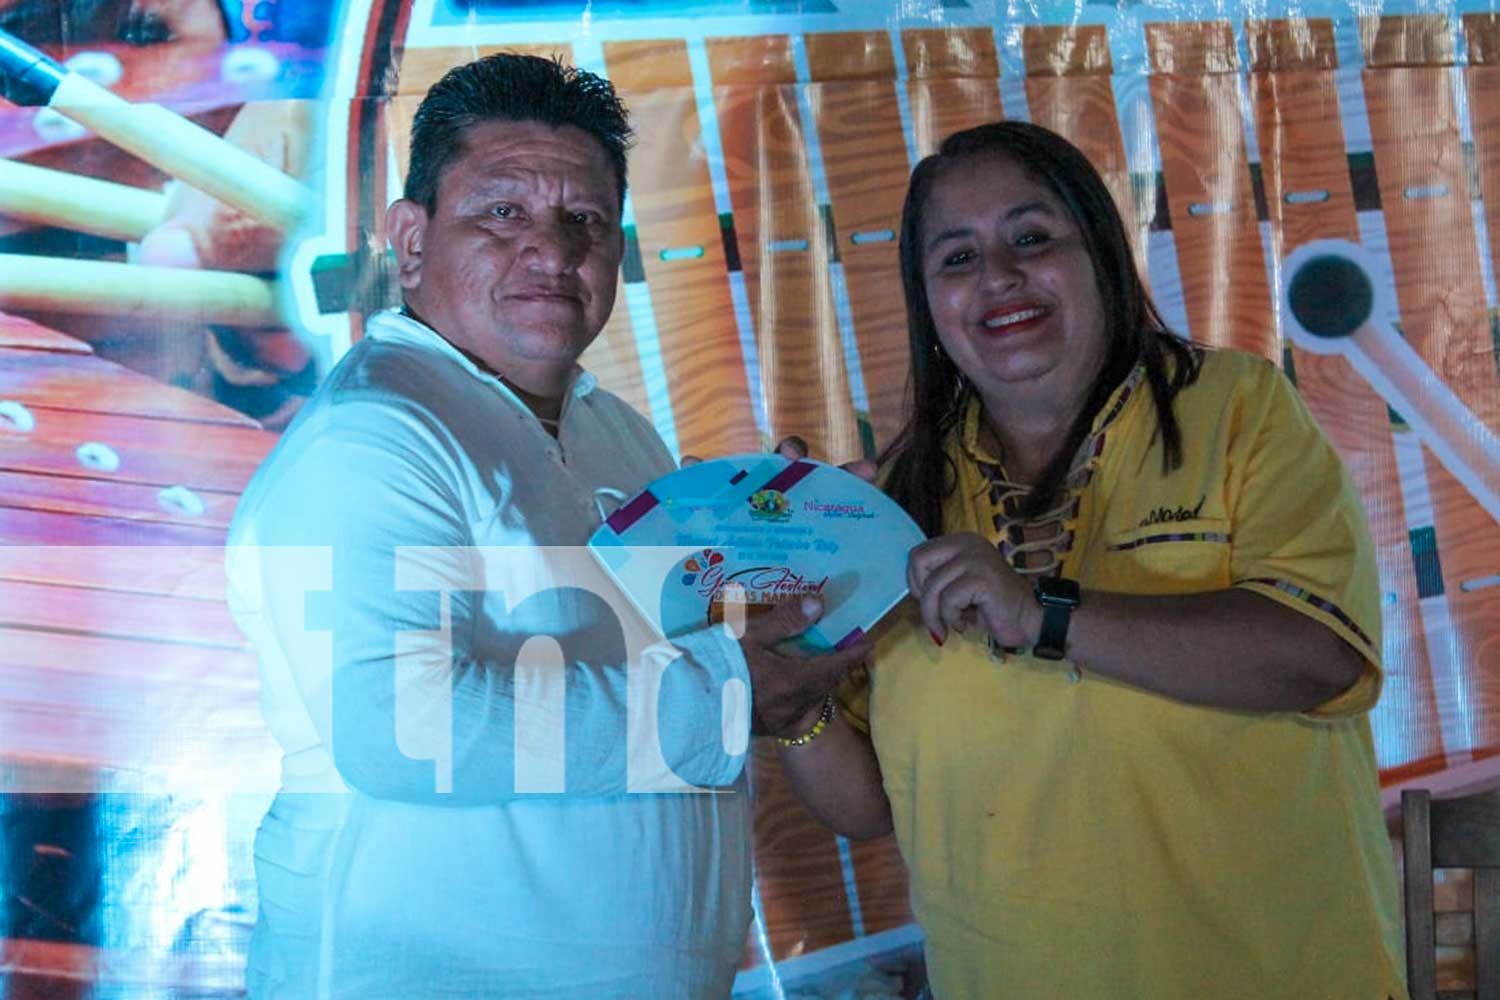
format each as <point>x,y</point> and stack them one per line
<point>82,204</point>
<point>162,138</point>
<point>1334,305</point>
<point>105,288</point>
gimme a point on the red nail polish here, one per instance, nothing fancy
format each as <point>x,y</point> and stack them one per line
<point>935,637</point>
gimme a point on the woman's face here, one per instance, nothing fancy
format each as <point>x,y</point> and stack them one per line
<point>1011,285</point>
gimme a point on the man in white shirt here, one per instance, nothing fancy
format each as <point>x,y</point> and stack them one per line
<point>467,723</point>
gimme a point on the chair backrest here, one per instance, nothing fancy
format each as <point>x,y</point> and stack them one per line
<point>1461,832</point>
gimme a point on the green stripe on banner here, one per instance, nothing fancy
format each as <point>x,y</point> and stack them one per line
<point>866,435</point>
<point>1258,189</point>
<point>830,232</point>
<point>1495,336</point>
<point>1364,182</point>
<point>1424,557</point>
<point>731,241</point>
<point>631,265</point>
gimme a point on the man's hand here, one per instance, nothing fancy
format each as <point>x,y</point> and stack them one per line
<point>961,579</point>
<point>788,691</point>
<point>794,447</point>
<point>201,232</point>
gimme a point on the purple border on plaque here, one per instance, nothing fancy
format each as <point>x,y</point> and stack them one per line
<point>621,520</point>
<point>850,639</point>
<point>790,476</point>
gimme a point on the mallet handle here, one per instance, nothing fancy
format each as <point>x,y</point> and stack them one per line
<point>105,288</point>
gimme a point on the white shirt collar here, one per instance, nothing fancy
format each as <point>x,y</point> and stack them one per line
<point>397,327</point>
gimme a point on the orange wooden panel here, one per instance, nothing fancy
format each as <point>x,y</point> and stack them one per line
<point>784,255</point>
<point>1482,35</point>
<point>1419,152</point>
<point>615,360</point>
<point>140,616</point>
<point>751,59</point>
<point>208,710</point>
<point>1207,175</point>
<point>880,875</point>
<point>36,527</point>
<point>850,55</point>
<point>799,875</point>
<point>83,713</point>
<point>1294,94</point>
<point>945,53</point>
<point>1192,48</point>
<point>674,209</point>
<point>1078,50</point>
<point>154,663</point>
<point>866,167</point>
<point>188,572</point>
<point>155,452</point>
<point>90,384</point>
<point>953,81</point>
<point>422,67</point>
<point>1280,46</point>
<point>1069,90</point>
<point>1425,202</point>
<point>1482,79</point>
<point>69,495</point>
<point>21,333</point>
<point>648,65</point>
<point>59,748</point>
<point>1415,40</point>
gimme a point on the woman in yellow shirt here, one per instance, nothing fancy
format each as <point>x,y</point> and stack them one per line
<point>1119,729</point>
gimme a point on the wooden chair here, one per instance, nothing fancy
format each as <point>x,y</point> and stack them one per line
<point>1461,832</point>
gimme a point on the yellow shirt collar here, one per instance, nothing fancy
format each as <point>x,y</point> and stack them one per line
<point>969,436</point>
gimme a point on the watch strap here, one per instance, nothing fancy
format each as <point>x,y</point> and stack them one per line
<point>1058,597</point>
<point>1053,640</point>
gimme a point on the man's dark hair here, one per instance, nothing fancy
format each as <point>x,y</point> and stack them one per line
<point>511,87</point>
<point>921,475</point>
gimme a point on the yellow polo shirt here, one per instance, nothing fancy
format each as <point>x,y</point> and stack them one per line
<point>1073,837</point>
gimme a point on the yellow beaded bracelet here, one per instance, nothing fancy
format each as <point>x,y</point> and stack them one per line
<point>824,718</point>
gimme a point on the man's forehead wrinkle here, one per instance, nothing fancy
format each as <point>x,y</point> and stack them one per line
<point>556,171</point>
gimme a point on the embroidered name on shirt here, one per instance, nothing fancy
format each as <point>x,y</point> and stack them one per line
<point>1166,515</point>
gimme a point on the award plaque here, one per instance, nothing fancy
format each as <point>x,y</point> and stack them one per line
<point>739,535</point>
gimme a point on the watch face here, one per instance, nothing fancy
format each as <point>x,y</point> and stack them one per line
<point>1057,590</point>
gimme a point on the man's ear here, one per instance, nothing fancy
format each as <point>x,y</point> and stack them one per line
<point>406,222</point>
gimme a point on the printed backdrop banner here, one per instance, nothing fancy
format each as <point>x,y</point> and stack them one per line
<point>169,299</point>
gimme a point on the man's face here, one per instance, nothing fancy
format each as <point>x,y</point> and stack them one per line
<point>518,262</point>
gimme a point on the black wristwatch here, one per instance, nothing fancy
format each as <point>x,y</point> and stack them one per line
<point>1058,597</point>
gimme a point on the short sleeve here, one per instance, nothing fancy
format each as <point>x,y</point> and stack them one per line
<point>1299,532</point>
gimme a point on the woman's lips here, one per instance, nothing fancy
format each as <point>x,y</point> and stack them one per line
<point>1011,319</point>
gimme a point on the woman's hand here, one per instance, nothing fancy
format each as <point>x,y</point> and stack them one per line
<point>961,580</point>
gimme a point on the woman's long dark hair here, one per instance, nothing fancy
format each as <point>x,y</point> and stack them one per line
<point>919,474</point>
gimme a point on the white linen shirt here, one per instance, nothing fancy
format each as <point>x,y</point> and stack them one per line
<point>454,819</point>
